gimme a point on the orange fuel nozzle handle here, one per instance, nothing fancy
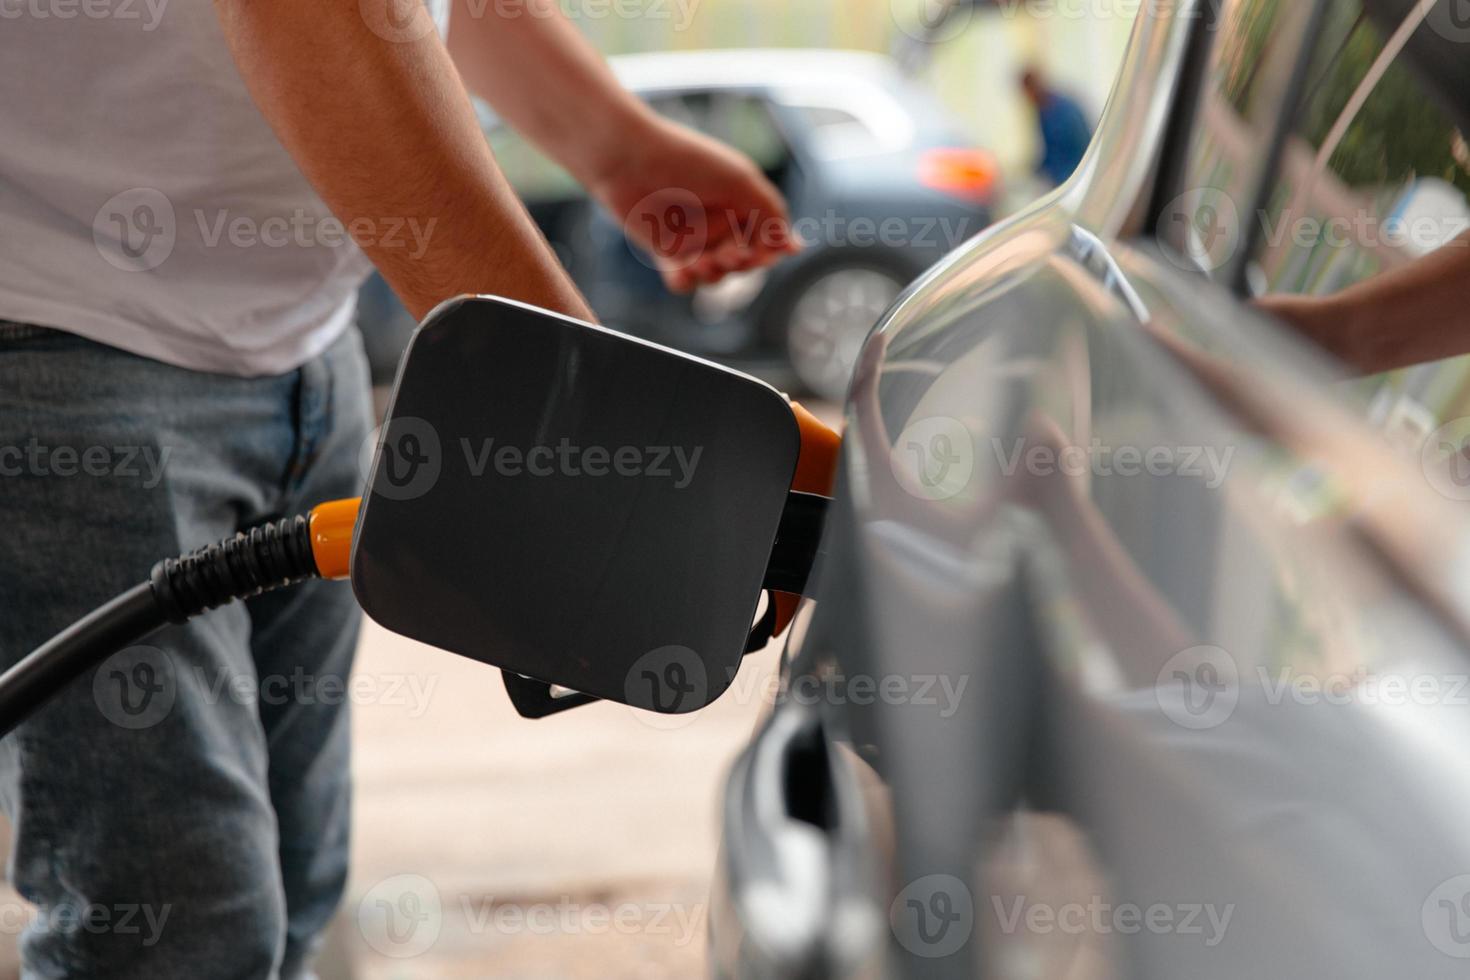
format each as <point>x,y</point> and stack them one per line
<point>816,466</point>
<point>331,529</point>
<point>816,472</point>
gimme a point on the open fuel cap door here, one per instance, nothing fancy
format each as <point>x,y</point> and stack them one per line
<point>573,505</point>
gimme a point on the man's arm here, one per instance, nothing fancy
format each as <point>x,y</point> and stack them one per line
<point>384,131</point>
<point>545,79</point>
<point>1412,315</point>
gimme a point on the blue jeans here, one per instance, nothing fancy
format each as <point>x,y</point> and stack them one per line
<point>182,812</point>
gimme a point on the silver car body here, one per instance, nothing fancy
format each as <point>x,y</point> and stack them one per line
<point>1199,717</point>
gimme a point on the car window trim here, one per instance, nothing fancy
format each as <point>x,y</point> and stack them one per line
<point>1294,106</point>
<point>1185,119</point>
<point>1184,115</point>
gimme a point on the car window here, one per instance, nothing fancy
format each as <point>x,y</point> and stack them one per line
<point>1255,49</point>
<point>1374,173</point>
<point>1375,176</point>
<point>834,132</point>
<point>741,120</point>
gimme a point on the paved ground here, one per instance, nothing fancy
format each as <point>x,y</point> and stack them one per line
<point>492,847</point>
<point>489,846</point>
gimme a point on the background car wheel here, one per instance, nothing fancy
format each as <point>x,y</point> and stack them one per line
<point>829,315</point>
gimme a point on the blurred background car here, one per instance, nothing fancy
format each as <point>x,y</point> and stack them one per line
<point>881,180</point>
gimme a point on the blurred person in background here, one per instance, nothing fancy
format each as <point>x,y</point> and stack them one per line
<point>1062,126</point>
<point>177,289</point>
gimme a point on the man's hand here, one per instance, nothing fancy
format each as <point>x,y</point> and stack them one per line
<point>1414,314</point>
<point>1320,319</point>
<point>699,208</point>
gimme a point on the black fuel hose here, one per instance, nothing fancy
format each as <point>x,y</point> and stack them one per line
<point>262,559</point>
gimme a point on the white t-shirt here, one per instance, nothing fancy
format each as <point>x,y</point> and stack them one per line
<point>145,202</point>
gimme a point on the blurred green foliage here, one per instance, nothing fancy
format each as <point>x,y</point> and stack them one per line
<point>1242,60</point>
<point>1401,132</point>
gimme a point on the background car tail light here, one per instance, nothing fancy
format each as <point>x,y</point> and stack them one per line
<point>966,173</point>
